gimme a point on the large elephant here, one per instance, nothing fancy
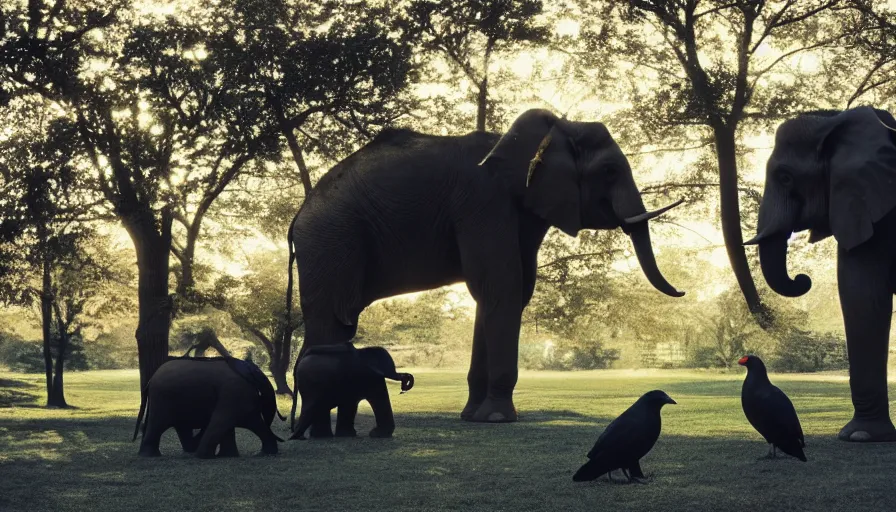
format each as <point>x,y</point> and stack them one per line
<point>340,376</point>
<point>411,212</point>
<point>835,173</point>
<point>213,394</point>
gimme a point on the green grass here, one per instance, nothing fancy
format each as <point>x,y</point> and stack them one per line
<point>706,458</point>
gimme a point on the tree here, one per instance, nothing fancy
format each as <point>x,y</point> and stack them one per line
<point>133,119</point>
<point>471,34</point>
<point>255,304</point>
<point>700,85</point>
<point>871,48</point>
<point>49,255</point>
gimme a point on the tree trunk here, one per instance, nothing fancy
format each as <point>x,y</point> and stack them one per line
<point>731,229</point>
<point>296,150</point>
<point>187,283</point>
<point>154,303</point>
<point>278,371</point>
<point>57,396</point>
<point>482,105</point>
<point>46,316</point>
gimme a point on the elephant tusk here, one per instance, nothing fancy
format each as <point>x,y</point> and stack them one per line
<point>758,238</point>
<point>537,158</point>
<point>651,215</point>
<point>885,125</point>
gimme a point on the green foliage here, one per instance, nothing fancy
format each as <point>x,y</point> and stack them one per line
<point>806,351</point>
<point>19,355</point>
<point>579,355</point>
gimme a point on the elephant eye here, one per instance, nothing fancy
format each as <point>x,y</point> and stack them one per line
<point>785,179</point>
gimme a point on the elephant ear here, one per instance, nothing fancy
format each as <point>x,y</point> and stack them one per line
<point>537,157</point>
<point>379,362</point>
<point>861,153</point>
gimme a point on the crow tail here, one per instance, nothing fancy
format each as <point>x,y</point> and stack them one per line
<point>590,471</point>
<point>794,450</point>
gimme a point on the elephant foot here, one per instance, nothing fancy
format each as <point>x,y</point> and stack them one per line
<point>495,411</point>
<point>269,450</point>
<point>346,432</point>
<point>868,431</point>
<point>228,453</point>
<point>381,433</point>
<point>470,409</point>
<point>149,453</point>
<point>321,433</point>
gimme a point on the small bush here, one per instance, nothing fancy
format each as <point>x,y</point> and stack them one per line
<point>587,355</point>
<point>806,351</point>
<point>21,355</point>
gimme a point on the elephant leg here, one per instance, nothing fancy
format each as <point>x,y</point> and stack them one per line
<point>228,445</point>
<point>304,421</point>
<point>158,421</point>
<point>321,424</point>
<point>188,441</point>
<point>490,258</point>
<point>477,377</point>
<point>863,278</point>
<point>256,424</point>
<point>501,331</point>
<point>345,419</point>
<point>220,425</point>
<point>378,397</point>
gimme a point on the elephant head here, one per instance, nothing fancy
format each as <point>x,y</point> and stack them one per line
<point>378,361</point>
<point>830,173</point>
<point>574,176</point>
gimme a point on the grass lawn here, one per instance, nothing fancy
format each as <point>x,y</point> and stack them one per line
<point>706,458</point>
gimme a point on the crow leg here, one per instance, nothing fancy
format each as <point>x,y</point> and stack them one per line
<point>627,476</point>
<point>772,452</point>
<point>637,475</point>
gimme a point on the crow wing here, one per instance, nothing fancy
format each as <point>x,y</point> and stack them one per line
<point>772,414</point>
<point>626,439</point>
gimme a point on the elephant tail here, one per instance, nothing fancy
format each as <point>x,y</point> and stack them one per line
<point>292,260</point>
<point>143,400</point>
<point>407,382</point>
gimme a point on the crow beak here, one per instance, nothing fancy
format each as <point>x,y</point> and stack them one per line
<point>670,401</point>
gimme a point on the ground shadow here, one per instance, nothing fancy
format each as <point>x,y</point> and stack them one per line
<point>434,461</point>
<point>17,393</point>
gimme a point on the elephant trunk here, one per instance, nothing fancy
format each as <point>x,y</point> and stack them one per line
<point>773,261</point>
<point>777,219</point>
<point>634,217</point>
<point>407,382</point>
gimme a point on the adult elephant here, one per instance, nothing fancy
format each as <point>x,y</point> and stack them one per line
<point>340,376</point>
<point>411,212</point>
<point>835,173</point>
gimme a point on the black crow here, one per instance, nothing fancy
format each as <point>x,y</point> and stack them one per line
<point>626,439</point>
<point>770,411</point>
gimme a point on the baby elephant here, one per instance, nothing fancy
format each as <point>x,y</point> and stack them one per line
<point>340,375</point>
<point>216,395</point>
